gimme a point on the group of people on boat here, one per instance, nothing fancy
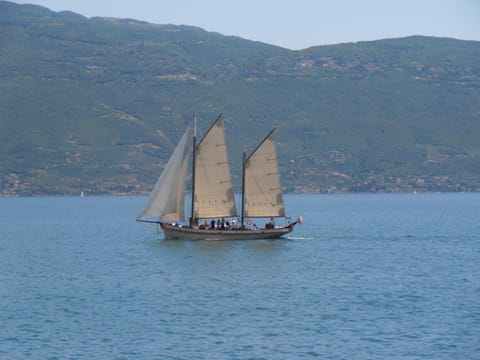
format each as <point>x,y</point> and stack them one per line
<point>223,224</point>
<point>219,224</point>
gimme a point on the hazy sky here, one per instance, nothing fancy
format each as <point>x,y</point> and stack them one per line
<point>296,24</point>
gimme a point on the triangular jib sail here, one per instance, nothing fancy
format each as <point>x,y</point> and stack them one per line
<point>166,202</point>
<point>262,189</point>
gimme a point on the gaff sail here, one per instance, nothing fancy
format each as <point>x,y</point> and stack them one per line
<point>213,190</point>
<point>262,189</point>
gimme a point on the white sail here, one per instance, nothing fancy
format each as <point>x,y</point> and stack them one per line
<point>263,193</point>
<point>166,201</point>
<point>213,189</point>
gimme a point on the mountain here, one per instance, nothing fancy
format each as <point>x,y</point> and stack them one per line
<point>97,105</point>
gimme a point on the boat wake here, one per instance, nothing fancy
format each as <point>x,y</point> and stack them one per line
<point>299,238</point>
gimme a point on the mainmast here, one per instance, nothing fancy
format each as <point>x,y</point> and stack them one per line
<point>193,166</point>
<point>242,215</point>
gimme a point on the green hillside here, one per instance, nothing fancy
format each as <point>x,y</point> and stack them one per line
<point>98,104</point>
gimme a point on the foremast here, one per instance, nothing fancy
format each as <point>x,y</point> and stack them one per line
<point>194,147</point>
<point>242,214</point>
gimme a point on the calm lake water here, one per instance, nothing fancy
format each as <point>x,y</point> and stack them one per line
<point>365,277</point>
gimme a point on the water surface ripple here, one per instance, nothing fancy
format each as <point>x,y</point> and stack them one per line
<point>366,277</point>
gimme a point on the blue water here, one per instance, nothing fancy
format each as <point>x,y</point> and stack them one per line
<point>366,277</point>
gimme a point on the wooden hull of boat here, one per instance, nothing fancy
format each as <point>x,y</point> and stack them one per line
<point>187,233</point>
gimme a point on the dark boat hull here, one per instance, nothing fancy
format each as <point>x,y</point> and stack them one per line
<point>188,233</point>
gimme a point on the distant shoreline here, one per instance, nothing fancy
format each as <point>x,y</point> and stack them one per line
<point>285,193</point>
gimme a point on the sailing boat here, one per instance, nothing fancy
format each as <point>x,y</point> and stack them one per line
<point>212,191</point>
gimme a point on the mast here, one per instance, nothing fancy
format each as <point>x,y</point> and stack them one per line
<point>242,215</point>
<point>193,167</point>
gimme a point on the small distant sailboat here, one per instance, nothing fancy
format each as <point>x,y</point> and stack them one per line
<point>212,191</point>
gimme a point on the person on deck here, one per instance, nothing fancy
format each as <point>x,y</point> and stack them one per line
<point>270,224</point>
